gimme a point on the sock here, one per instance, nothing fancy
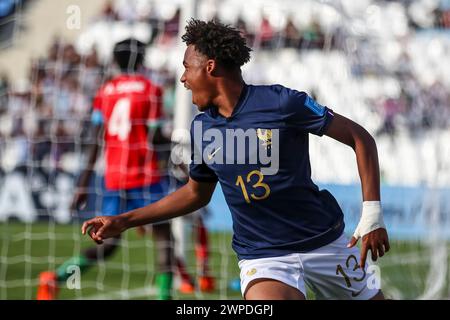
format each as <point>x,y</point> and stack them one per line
<point>81,261</point>
<point>201,249</point>
<point>164,283</point>
<point>182,270</point>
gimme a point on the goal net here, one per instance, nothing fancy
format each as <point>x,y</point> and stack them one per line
<point>389,77</point>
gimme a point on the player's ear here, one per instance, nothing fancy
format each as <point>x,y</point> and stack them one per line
<point>211,66</point>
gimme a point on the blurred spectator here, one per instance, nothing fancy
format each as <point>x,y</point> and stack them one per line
<point>108,13</point>
<point>444,18</point>
<point>291,35</point>
<point>313,37</point>
<point>265,35</point>
<point>91,74</point>
<point>390,108</point>
<point>18,104</point>
<point>242,27</point>
<point>70,55</point>
<point>171,28</point>
<point>439,100</point>
<point>40,139</point>
<point>4,87</point>
<point>55,50</point>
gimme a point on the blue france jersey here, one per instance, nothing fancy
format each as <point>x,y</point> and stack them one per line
<point>260,157</point>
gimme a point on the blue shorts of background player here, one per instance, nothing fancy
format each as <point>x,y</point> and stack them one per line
<point>116,202</point>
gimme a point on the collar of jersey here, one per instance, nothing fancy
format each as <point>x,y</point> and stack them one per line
<point>239,106</point>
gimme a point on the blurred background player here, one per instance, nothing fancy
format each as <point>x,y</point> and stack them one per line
<point>205,280</point>
<point>127,116</point>
<point>180,174</point>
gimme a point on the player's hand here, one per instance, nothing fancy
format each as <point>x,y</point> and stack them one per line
<point>376,241</point>
<point>101,228</point>
<point>79,201</point>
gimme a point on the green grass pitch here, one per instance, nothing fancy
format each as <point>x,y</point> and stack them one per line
<point>28,249</point>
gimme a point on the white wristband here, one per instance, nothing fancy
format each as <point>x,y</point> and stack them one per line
<point>371,219</point>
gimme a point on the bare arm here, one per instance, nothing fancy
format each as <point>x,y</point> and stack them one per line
<point>189,198</point>
<point>185,200</point>
<point>92,156</point>
<point>80,196</point>
<point>350,133</point>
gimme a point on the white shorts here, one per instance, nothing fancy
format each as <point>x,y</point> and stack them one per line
<point>328,271</point>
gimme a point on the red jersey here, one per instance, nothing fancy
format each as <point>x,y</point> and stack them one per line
<point>127,105</point>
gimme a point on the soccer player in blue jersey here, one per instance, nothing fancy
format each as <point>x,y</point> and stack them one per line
<point>287,232</point>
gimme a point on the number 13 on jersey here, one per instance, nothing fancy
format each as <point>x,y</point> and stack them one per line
<point>258,185</point>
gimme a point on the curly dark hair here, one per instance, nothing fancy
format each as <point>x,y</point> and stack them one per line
<point>218,41</point>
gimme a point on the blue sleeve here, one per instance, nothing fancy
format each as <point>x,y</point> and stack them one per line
<point>97,117</point>
<point>198,170</point>
<point>303,112</point>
